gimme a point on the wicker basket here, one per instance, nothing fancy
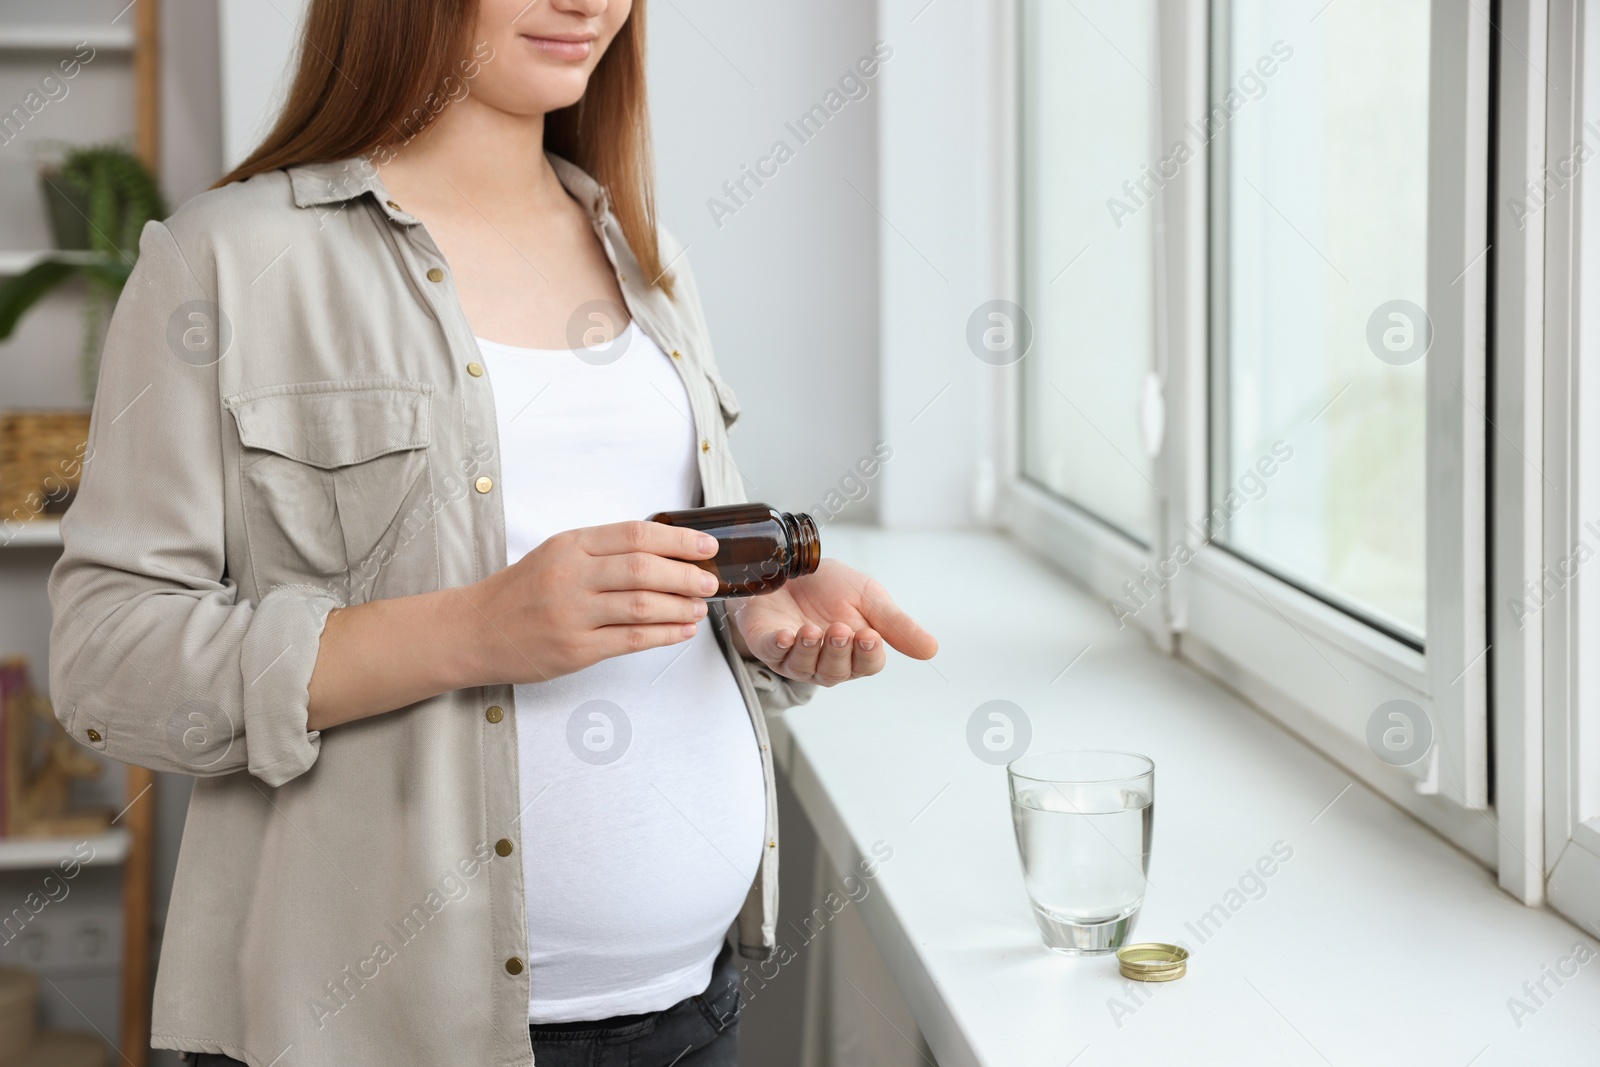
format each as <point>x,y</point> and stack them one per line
<point>41,459</point>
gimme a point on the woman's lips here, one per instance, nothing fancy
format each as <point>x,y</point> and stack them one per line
<point>557,48</point>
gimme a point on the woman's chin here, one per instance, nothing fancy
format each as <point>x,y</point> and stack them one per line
<point>547,90</point>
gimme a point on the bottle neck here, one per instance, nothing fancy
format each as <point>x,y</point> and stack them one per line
<point>805,544</point>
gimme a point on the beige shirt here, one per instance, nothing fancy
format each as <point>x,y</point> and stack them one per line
<point>291,417</point>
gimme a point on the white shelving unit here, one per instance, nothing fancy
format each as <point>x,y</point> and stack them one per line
<point>126,71</point>
<point>22,38</point>
<point>15,261</point>
<point>36,533</point>
<point>37,853</point>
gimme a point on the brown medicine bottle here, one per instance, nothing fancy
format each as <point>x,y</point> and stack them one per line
<point>758,548</point>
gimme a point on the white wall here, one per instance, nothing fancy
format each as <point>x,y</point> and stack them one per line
<point>789,280</point>
<point>257,45</point>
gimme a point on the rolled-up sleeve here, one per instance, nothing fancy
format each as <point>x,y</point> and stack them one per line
<point>154,660</point>
<point>777,693</point>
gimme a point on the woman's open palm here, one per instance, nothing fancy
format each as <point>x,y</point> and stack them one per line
<point>828,627</point>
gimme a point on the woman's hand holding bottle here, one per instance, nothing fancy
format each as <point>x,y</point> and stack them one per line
<point>587,595</point>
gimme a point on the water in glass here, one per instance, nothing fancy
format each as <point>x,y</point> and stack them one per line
<point>1085,850</point>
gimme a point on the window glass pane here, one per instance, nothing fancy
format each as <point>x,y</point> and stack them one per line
<point>1320,112</point>
<point>1088,108</point>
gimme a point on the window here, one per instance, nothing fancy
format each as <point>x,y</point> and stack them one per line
<point>1348,569</point>
<point>1258,426</point>
<point>1321,338</point>
<point>1088,135</point>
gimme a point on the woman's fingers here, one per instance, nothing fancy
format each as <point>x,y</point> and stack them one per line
<point>621,640</point>
<point>801,659</point>
<point>829,661</point>
<point>641,607</point>
<point>619,538</point>
<point>830,656</point>
<point>869,655</point>
<point>645,570</point>
<point>772,646</point>
<point>901,630</point>
<point>834,660</point>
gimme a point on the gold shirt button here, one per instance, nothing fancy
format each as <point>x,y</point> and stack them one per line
<point>94,735</point>
<point>483,485</point>
<point>513,966</point>
<point>502,847</point>
<point>705,446</point>
<point>495,713</point>
<point>475,369</point>
<point>773,843</point>
<point>676,354</point>
<point>394,205</point>
<point>435,274</point>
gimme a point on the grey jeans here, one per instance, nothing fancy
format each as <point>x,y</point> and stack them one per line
<point>700,1031</point>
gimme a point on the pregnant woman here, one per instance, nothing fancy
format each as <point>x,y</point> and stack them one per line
<point>482,778</point>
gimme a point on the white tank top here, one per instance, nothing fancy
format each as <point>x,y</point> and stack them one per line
<point>643,801</point>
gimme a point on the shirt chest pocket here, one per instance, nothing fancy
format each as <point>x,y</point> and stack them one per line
<point>336,488</point>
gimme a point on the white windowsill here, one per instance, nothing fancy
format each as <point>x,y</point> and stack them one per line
<point>1377,943</point>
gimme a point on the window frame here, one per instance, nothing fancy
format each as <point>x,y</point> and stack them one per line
<point>1234,603</point>
<point>1093,549</point>
<point>1567,251</point>
<point>1447,678</point>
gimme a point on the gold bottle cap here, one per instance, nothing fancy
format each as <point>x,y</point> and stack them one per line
<point>1151,961</point>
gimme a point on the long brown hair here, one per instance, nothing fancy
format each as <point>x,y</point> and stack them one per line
<point>373,73</point>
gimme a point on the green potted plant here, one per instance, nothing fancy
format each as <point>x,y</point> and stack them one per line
<point>98,199</point>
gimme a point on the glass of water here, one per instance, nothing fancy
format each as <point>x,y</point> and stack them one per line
<point>1083,827</point>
